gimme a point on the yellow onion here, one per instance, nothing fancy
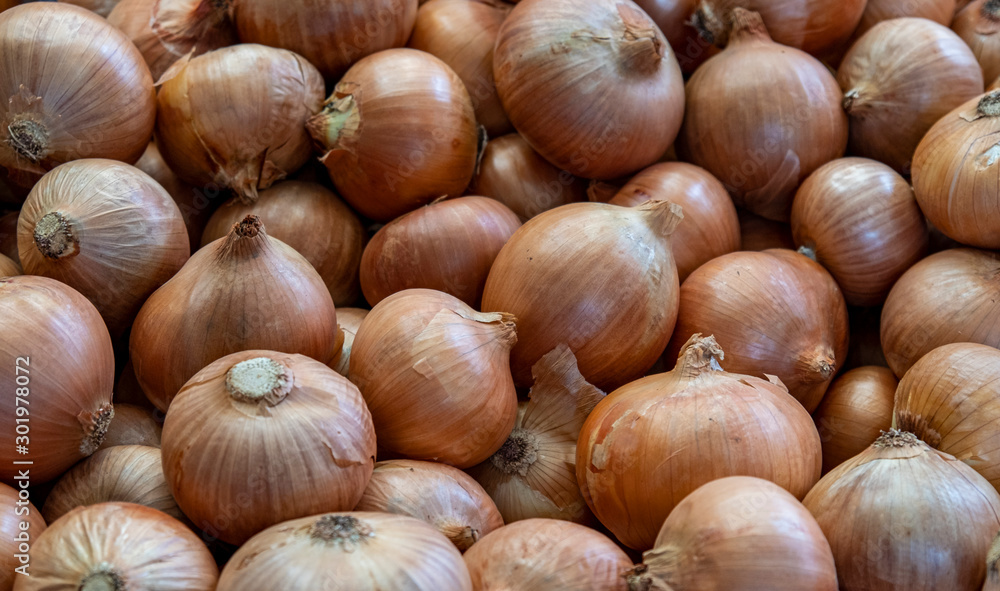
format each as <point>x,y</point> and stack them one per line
<point>8,267</point>
<point>898,79</point>
<point>855,411</point>
<point>449,246</point>
<point>133,425</point>
<point>106,229</point>
<point>534,473</point>
<point>311,219</point>
<point>349,320</point>
<point>758,233</point>
<point>398,132</point>
<point>978,24</point>
<point>119,547</point>
<point>244,291</point>
<point>652,442</point>
<point>874,509</point>
<point>20,525</point>
<point>359,551</point>
<point>260,437</point>
<point>59,375</point>
<point>72,86</point>
<point>435,375</point>
<point>876,11</point>
<point>775,312</point>
<point>234,117</point>
<point>444,497</point>
<point>597,277</point>
<point>196,205</point>
<point>738,533</point>
<point>101,7</point>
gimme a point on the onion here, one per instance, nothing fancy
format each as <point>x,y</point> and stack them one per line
<point>876,11</point>
<point>443,496</point>
<point>777,140</point>
<point>855,411</point>
<point>858,218</point>
<point>544,554</point>
<point>674,17</point>
<point>949,297</point>
<point>129,392</point>
<point>898,79</point>
<point>101,7</point>
<point>244,291</point>
<point>738,533</point>
<point>435,375</point>
<point>978,24</point>
<point>357,551</point>
<point>774,311</point>
<point>118,547</point>
<point>8,235</point>
<point>315,222</point>
<point>511,172</point>
<point>73,87</point>
<point>597,277</point>
<point>534,473</point>
<point>874,511</point>
<point>462,33</point>
<point>552,53</point>
<point>234,117</point>
<point>20,524</point>
<point>8,267</point>
<point>711,226</point>
<point>196,205</point>
<point>448,246</point>
<point>331,35</point>
<point>132,426</point>
<point>650,443</point>
<point>757,233</point>
<point>350,321</point>
<point>169,30</point>
<point>61,371</point>
<point>106,229</point>
<point>260,437</point>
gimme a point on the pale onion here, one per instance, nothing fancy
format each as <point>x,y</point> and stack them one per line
<point>119,547</point>
<point>449,246</point>
<point>592,85</point>
<point>234,117</point>
<point>513,173</point>
<point>758,233</point>
<point>444,497</point>
<point>106,229</point>
<point>854,412</point>
<point>740,534</point>
<point>260,437</point>
<point>859,219</point>
<point>949,297</point>
<point>72,87</point>
<point>8,235</point>
<point>196,204</point>
<point>874,509</point>
<point>60,373</point>
<point>133,425</point>
<point>534,473</point>
<point>876,11</point>
<point>546,554</point>
<point>398,132</point>
<point>597,277</point>
<point>898,79</point>
<point>650,443</point>
<point>359,551</point>
<point>8,267</point>
<point>762,117</point>
<point>978,24</point>
<point>462,33</point>
<point>711,227</point>
<point>435,375</point>
<point>349,320</point>
<point>101,7</point>
<point>674,17</point>
<point>311,219</point>
<point>775,312</point>
<point>20,525</point>
<point>331,35</point>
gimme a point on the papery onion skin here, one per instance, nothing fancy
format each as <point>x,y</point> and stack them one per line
<point>12,516</point>
<point>58,344</point>
<point>98,98</point>
<point>133,425</point>
<point>358,551</point>
<point>550,53</point>
<point>978,24</point>
<point>349,320</point>
<point>8,267</point>
<point>855,411</point>
<point>196,204</point>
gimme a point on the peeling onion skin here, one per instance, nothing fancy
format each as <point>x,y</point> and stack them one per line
<point>10,526</point>
<point>350,320</point>
<point>855,411</point>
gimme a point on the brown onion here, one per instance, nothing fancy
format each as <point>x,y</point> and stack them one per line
<point>758,233</point>
<point>244,291</point>
<point>20,524</point>
<point>349,320</point>
<point>650,443</point>
<point>129,392</point>
<point>133,425</point>
<point>73,87</point>
<point>358,551</point>
<point>858,218</point>
<point>196,205</point>
<point>449,246</point>
<point>234,117</point>
<point>511,172</point>
<point>855,411</point>
<point>674,17</point>
<point>315,222</point>
<point>8,235</point>
<point>898,79</point>
<point>8,267</point>
<point>949,297</point>
<point>435,375</point>
<point>978,24</point>
<point>777,140</point>
<point>60,375</point>
<point>775,312</point>
<point>592,85</point>
<point>876,11</point>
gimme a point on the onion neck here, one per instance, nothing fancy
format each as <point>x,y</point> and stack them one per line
<point>246,239</point>
<point>104,578</point>
<point>337,123</point>
<point>894,438</point>
<point>699,355</point>
<point>990,11</point>
<point>906,421</point>
<point>643,46</point>
<point>819,365</point>
<point>54,236</point>
<point>29,139</point>
<point>259,380</point>
<point>663,216</point>
<point>95,427</point>
<point>989,105</point>
<point>517,454</point>
<point>641,579</point>
<point>341,531</point>
<point>463,536</point>
<point>739,26</point>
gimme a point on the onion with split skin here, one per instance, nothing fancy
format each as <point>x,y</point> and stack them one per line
<point>16,516</point>
<point>978,24</point>
<point>855,411</point>
<point>349,320</point>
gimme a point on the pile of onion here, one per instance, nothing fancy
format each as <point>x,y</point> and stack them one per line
<point>855,411</point>
<point>20,524</point>
<point>978,24</point>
